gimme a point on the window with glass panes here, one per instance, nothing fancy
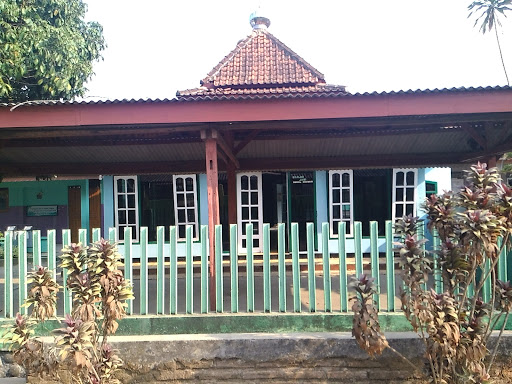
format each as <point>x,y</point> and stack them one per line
<point>250,209</point>
<point>185,204</point>
<point>430,188</point>
<point>126,206</point>
<point>341,206</point>
<point>404,192</point>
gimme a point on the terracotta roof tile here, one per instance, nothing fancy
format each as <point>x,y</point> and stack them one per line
<point>260,64</point>
<point>320,90</point>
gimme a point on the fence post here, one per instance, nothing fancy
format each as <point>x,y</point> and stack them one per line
<point>281,266</point>
<point>358,237</point>
<point>66,241</point>
<point>266,269</point>
<point>160,277</point>
<point>310,243</point>
<point>204,269</point>
<point>22,265</point>
<point>112,235</point>
<point>374,253</point>
<point>189,276</point>
<point>8,263</point>
<point>143,271</point>
<point>96,234</point>
<point>36,248</point>
<point>82,237</point>
<point>233,257</point>
<point>219,291</point>
<point>342,255</point>
<point>128,271</point>
<point>295,268</point>
<point>52,252</point>
<point>173,273</point>
<point>250,268</point>
<point>390,266</point>
<point>326,267</point>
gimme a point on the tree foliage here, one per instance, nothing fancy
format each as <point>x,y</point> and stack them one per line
<point>46,49</point>
<point>99,292</point>
<point>456,318</point>
<point>488,14</point>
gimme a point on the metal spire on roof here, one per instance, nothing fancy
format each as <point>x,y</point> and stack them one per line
<point>258,21</point>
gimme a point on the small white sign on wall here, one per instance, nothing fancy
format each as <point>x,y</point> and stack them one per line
<point>41,210</point>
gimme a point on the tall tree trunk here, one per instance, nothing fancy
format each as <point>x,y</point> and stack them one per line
<point>501,54</point>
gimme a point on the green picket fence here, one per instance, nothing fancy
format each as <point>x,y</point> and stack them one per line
<point>169,282</point>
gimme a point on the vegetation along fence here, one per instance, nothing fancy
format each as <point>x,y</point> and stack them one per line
<point>288,288</point>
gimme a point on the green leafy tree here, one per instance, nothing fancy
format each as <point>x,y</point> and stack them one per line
<point>46,49</point>
<point>488,12</point>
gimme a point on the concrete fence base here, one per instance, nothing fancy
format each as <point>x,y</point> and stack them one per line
<point>273,358</point>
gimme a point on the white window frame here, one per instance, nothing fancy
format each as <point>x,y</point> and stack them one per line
<point>117,193</point>
<point>350,221</point>
<point>240,220</point>
<point>404,201</point>
<point>195,222</point>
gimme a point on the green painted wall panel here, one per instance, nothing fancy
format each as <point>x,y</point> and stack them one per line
<point>40,192</point>
<point>321,203</point>
<point>107,199</point>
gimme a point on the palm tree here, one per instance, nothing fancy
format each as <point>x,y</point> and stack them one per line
<point>491,10</point>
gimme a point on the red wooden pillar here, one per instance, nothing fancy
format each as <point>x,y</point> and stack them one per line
<point>212,182</point>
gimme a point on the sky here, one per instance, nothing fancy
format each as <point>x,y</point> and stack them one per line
<point>157,47</point>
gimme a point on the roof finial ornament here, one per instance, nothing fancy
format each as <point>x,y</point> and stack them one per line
<point>258,21</point>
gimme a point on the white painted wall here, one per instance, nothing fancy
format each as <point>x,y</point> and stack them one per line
<point>443,177</point>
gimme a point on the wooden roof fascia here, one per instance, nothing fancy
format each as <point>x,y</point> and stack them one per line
<point>350,107</point>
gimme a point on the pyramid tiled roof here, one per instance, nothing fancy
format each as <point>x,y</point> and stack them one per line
<point>261,66</point>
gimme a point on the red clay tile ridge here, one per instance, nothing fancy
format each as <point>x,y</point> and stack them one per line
<point>259,66</point>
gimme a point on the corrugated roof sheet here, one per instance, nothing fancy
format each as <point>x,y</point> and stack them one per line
<point>269,95</point>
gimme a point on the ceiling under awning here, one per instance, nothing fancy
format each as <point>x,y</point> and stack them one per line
<point>367,142</point>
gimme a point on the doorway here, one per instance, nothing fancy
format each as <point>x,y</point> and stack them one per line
<point>94,206</point>
<point>372,198</point>
<point>302,202</point>
<point>74,211</point>
<point>274,204</point>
